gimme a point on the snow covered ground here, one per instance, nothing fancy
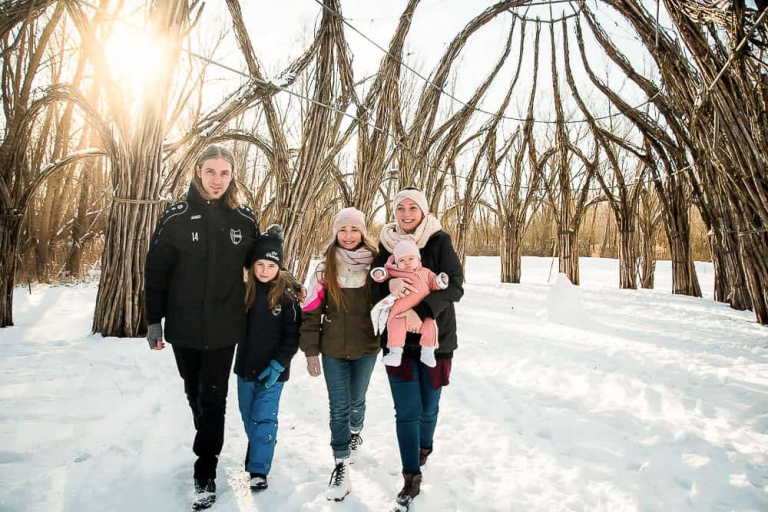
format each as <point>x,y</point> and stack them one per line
<point>562,398</point>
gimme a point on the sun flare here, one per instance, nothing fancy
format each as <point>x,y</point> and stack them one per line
<point>135,58</point>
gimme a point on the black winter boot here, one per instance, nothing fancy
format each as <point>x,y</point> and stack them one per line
<point>258,482</point>
<point>355,441</point>
<point>205,493</point>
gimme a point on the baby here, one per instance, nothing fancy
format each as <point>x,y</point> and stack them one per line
<point>406,262</point>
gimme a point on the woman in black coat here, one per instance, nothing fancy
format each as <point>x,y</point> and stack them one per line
<point>194,279</point>
<point>415,387</point>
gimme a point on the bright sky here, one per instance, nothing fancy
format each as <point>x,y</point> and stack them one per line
<point>281,31</point>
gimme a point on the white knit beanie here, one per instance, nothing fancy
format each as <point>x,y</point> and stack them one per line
<point>415,195</point>
<point>349,217</point>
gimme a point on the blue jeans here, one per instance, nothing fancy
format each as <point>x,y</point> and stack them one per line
<point>347,382</point>
<point>258,407</point>
<point>416,407</point>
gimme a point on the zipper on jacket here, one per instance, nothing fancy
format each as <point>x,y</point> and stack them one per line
<point>206,298</point>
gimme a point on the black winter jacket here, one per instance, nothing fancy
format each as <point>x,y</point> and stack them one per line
<point>194,272</point>
<point>271,334</point>
<point>438,255</point>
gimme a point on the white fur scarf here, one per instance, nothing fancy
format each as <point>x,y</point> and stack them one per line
<point>392,233</point>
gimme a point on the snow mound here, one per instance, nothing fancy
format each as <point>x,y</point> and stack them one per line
<point>563,304</point>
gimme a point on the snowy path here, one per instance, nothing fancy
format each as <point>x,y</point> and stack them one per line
<point>562,398</point>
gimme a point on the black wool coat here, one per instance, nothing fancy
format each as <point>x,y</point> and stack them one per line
<point>194,272</point>
<point>438,255</point>
<point>272,333</point>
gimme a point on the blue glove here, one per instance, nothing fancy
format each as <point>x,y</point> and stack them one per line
<point>271,373</point>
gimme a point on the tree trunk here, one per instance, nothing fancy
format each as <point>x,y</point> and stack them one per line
<point>43,227</point>
<point>511,253</point>
<point>120,302</point>
<point>568,241</point>
<point>591,238</point>
<point>753,251</point>
<point>10,231</point>
<point>607,249</point>
<point>75,258</point>
<point>627,254</point>
<point>647,260</point>
<point>722,286</point>
<point>677,227</point>
<point>729,274</point>
<point>462,232</point>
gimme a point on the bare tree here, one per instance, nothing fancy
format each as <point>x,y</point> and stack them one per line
<point>516,194</point>
<point>24,45</point>
<point>572,201</point>
<point>413,165</point>
<point>649,217</point>
<point>136,160</point>
<point>620,193</point>
<point>734,102</point>
<point>380,120</point>
<point>670,145</point>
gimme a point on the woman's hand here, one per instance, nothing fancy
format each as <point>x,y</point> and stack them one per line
<point>301,295</point>
<point>412,320</point>
<point>313,365</point>
<point>401,286</point>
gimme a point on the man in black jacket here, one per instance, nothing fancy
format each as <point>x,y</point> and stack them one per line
<point>194,279</point>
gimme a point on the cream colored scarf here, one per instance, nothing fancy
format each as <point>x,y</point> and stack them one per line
<point>359,259</point>
<point>392,233</point>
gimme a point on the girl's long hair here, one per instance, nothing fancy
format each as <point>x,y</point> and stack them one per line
<point>279,287</point>
<point>330,270</point>
<point>230,196</point>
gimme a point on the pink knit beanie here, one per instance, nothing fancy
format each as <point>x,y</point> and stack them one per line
<point>415,195</point>
<point>349,217</point>
<point>404,247</point>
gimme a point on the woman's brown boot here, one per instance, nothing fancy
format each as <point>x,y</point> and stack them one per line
<point>411,488</point>
<point>423,455</point>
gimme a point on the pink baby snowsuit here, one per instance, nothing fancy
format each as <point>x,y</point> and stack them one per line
<point>424,280</point>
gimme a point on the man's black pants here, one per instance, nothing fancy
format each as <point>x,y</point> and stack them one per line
<point>206,378</point>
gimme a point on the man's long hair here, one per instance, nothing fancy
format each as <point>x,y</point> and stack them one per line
<point>230,196</point>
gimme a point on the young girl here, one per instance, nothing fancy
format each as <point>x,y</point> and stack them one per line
<point>263,360</point>
<point>337,324</point>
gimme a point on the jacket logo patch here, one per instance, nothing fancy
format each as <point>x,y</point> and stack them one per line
<point>195,237</point>
<point>277,310</point>
<point>236,236</point>
<point>196,217</point>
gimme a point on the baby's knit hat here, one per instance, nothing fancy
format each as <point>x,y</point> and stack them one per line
<point>404,247</point>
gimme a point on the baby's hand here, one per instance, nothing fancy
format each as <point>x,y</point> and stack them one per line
<point>442,280</point>
<point>378,274</point>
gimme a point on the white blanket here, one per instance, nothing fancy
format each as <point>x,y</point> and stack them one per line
<point>380,313</point>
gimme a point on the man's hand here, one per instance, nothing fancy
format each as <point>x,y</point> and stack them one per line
<point>155,336</point>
